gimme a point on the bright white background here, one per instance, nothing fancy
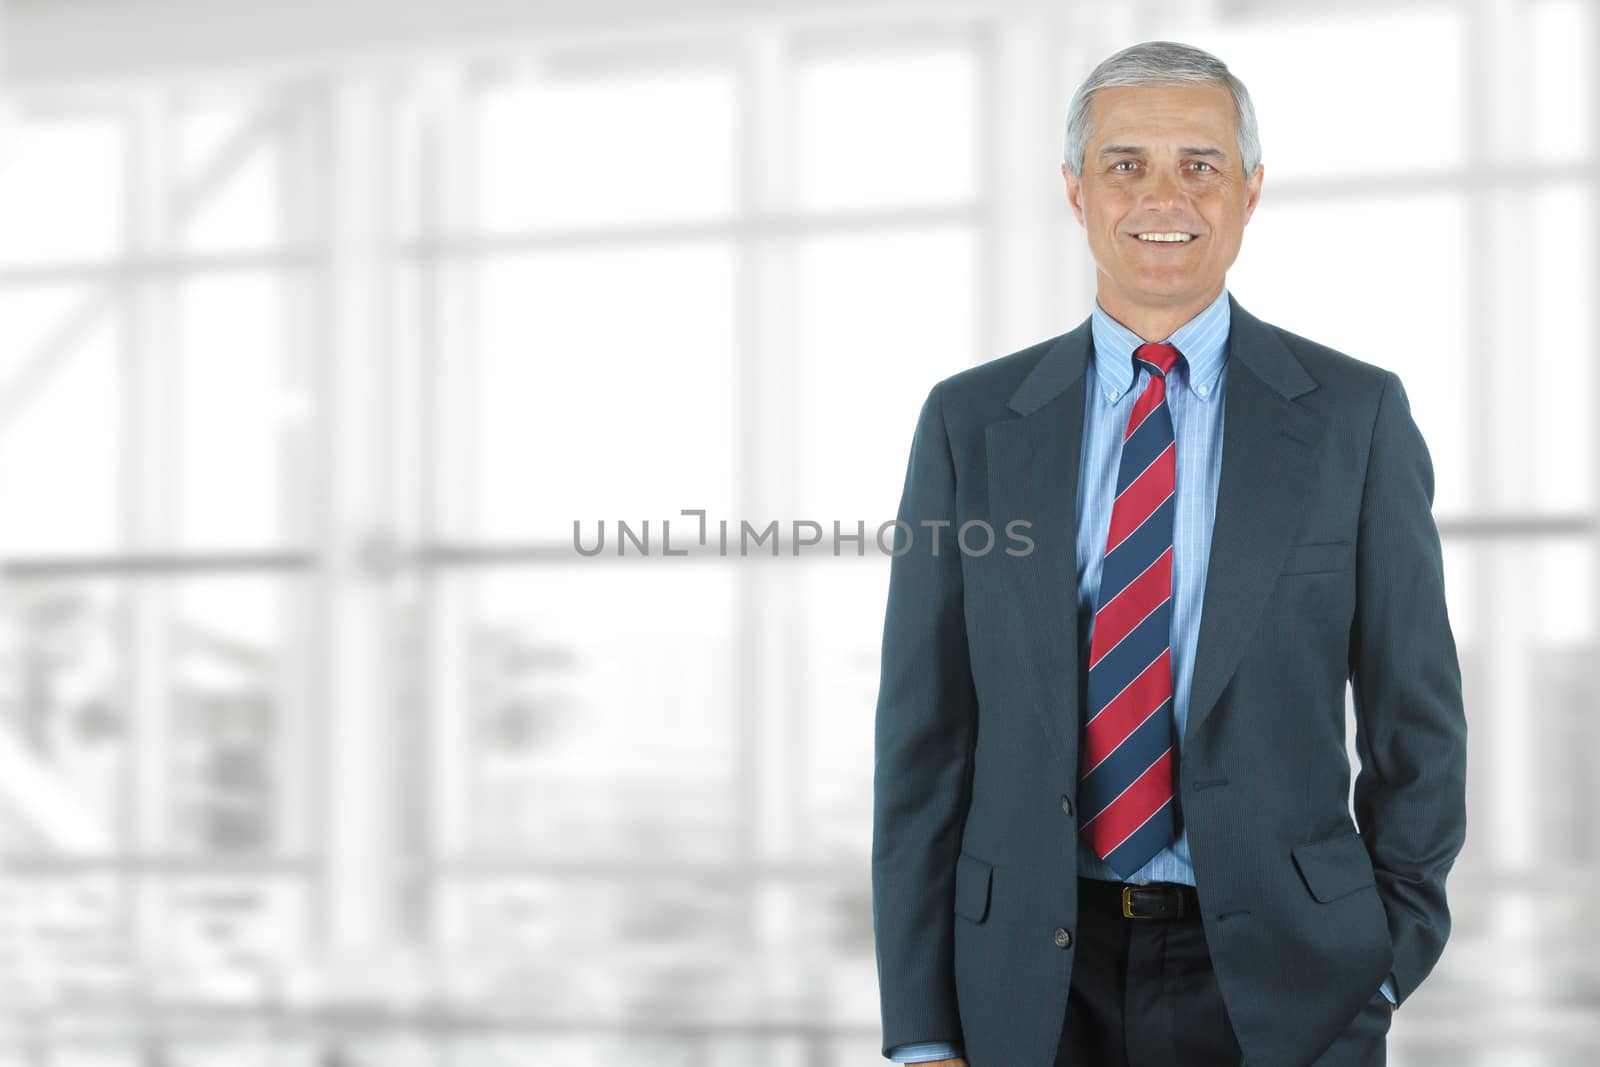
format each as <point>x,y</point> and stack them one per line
<point>319,327</point>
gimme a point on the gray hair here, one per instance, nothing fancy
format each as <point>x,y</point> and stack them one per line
<point>1160,63</point>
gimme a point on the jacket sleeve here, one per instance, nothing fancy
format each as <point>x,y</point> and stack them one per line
<point>1411,730</point>
<point>923,734</point>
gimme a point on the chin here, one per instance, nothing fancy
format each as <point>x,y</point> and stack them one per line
<point>1165,287</point>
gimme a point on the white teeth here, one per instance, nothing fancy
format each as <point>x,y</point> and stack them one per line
<point>1164,237</point>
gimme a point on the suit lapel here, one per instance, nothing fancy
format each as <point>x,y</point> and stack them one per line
<point>1269,445</point>
<point>1268,450</point>
<point>1033,475</point>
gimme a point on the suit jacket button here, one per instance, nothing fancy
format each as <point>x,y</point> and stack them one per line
<point>1066,803</point>
<point>1063,938</point>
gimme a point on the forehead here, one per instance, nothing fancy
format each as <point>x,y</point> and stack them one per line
<point>1153,114</point>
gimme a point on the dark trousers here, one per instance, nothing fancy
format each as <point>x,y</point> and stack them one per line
<point>1144,995</point>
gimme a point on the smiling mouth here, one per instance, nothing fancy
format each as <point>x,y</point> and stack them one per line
<point>1165,238</point>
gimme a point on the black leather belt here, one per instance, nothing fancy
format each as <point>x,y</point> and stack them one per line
<point>1152,900</point>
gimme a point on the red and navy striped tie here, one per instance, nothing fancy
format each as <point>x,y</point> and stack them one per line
<point>1127,767</point>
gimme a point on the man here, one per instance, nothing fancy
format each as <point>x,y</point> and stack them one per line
<point>1111,794</point>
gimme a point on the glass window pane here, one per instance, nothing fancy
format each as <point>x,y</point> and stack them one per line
<point>235,760</point>
<point>1554,275</point>
<point>1533,706</point>
<point>1565,575</point>
<point>567,921</point>
<point>882,318</point>
<point>61,421</point>
<point>229,191</point>
<point>1463,587</point>
<point>63,183</point>
<point>414,158</point>
<point>598,716</point>
<point>65,733</point>
<point>1537,712</point>
<point>229,761</point>
<point>222,935</point>
<point>888,128</point>
<point>241,419</point>
<point>1560,68</point>
<point>606,388</point>
<point>63,937</point>
<point>1317,121</point>
<point>574,148</point>
<point>844,605</point>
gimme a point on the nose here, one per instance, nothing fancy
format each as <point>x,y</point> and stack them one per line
<point>1163,191</point>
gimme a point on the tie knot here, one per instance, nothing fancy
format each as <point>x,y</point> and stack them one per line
<point>1159,358</point>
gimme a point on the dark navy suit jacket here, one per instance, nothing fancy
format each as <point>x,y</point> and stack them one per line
<point>1325,569</point>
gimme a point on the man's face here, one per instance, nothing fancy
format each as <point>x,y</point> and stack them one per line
<point>1162,159</point>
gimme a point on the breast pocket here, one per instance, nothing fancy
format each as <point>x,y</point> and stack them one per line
<point>1316,586</point>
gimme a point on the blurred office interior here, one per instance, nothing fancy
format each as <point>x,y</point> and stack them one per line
<point>320,325</point>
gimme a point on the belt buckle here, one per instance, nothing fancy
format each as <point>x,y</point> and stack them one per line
<point>1160,913</point>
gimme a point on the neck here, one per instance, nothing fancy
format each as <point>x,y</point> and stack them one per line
<point>1152,322</point>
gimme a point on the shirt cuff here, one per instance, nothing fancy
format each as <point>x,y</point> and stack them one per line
<point>924,1052</point>
<point>1387,989</point>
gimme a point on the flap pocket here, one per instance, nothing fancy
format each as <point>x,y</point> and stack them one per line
<point>1320,556</point>
<point>1335,866</point>
<point>972,886</point>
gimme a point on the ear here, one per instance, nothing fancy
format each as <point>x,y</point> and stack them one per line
<point>1253,192</point>
<point>1074,194</point>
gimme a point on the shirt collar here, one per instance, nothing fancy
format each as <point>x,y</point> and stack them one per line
<point>1203,340</point>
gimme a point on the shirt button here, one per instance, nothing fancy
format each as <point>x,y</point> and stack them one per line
<point>1203,390</point>
<point>1066,803</point>
<point>1115,393</point>
<point>1063,938</point>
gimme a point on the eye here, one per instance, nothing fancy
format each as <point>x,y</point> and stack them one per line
<point>1202,163</point>
<point>1120,162</point>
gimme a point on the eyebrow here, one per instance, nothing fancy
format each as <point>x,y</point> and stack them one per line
<point>1187,150</point>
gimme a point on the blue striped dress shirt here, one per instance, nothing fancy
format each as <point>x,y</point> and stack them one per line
<point>1194,396</point>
